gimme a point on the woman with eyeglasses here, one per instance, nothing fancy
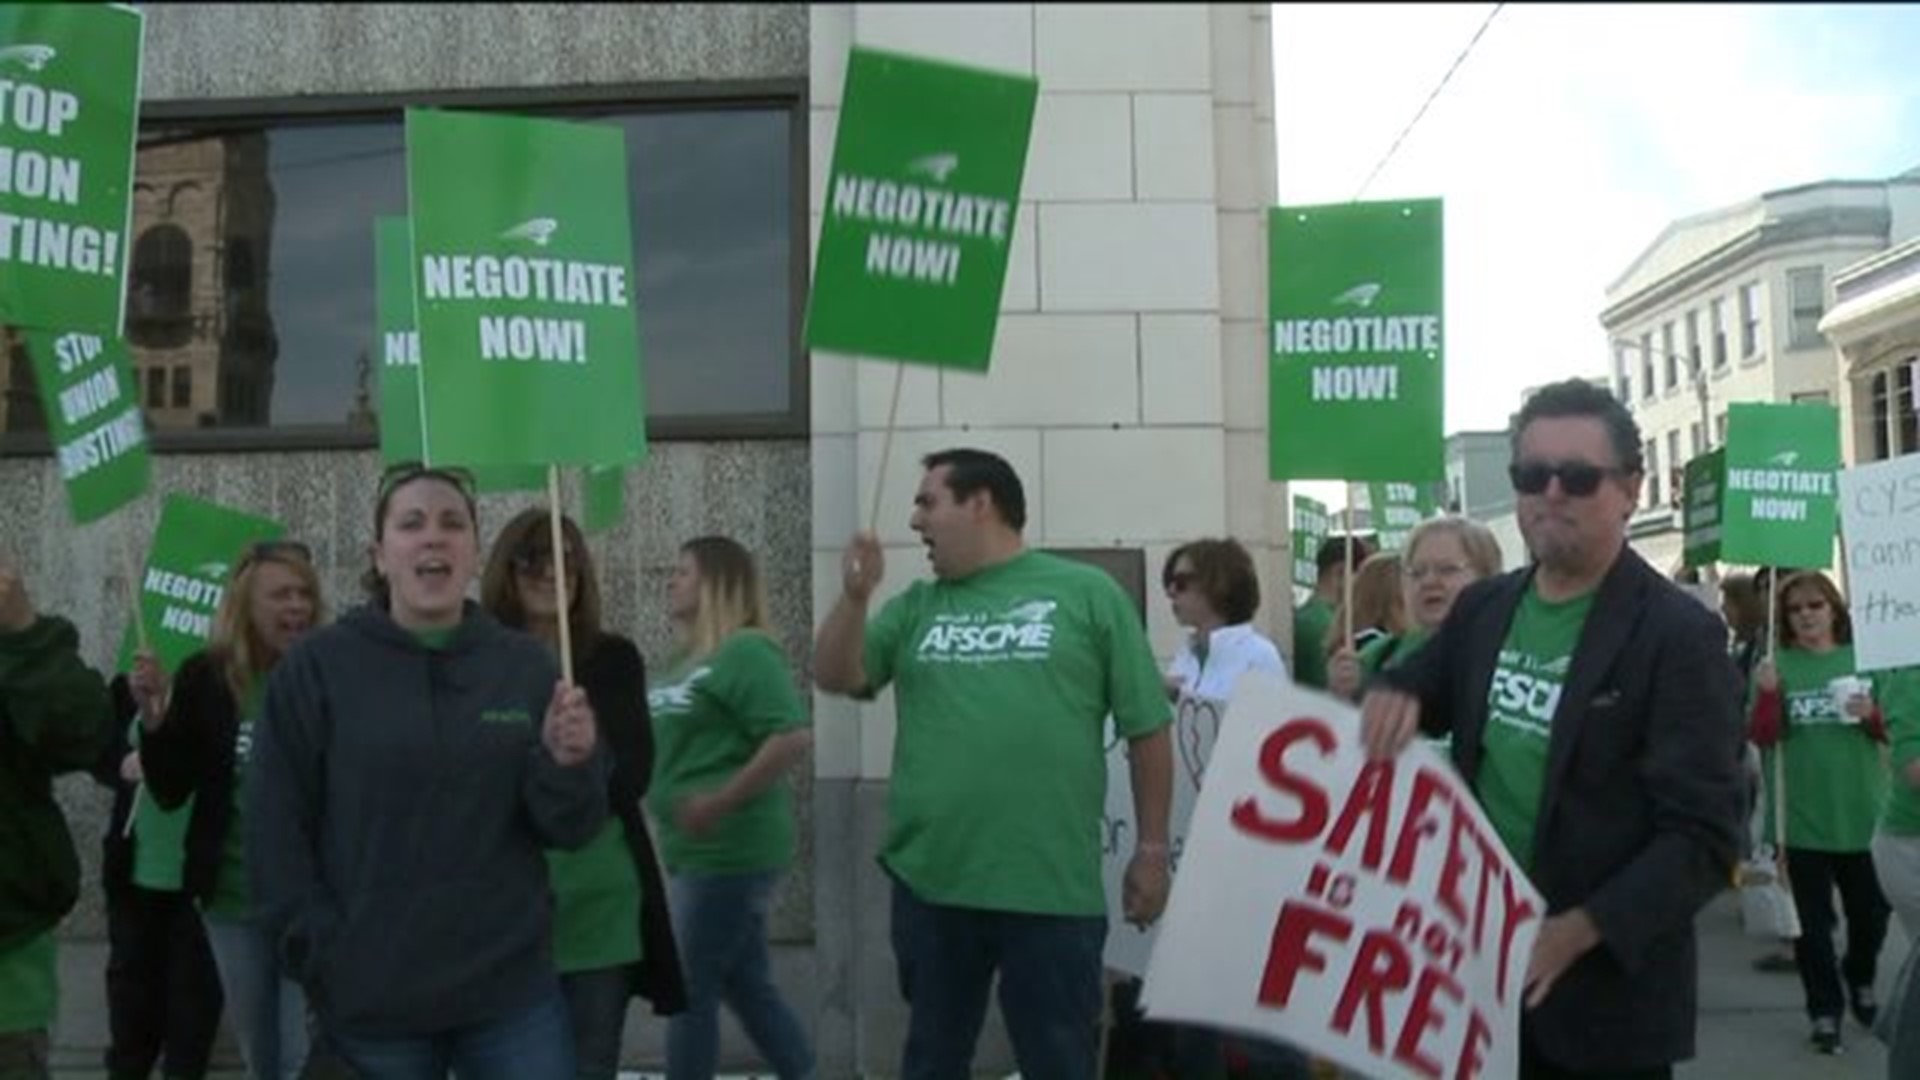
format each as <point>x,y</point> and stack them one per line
<point>612,933</point>
<point>1812,706</point>
<point>729,724</point>
<point>196,740</point>
<point>1444,555</point>
<point>416,762</point>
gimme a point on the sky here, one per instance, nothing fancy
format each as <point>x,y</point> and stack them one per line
<point>1570,137</point>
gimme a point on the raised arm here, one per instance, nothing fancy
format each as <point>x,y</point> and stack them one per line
<point>839,665</point>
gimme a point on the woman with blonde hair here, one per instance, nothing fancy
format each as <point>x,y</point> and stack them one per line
<point>728,725</point>
<point>1378,609</point>
<point>196,740</point>
<point>1444,555</point>
<point>612,936</point>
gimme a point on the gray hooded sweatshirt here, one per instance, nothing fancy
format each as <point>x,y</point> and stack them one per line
<point>396,808</point>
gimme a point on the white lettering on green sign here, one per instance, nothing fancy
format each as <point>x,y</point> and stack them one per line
<point>402,348</point>
<point>103,444</point>
<point>489,277</point>
<point>27,107</point>
<point>172,586</point>
<point>1356,334</point>
<point>1780,481</point>
<point>518,337</point>
<point>39,176</point>
<point>1379,382</point>
<point>58,245</point>
<point>885,202</point>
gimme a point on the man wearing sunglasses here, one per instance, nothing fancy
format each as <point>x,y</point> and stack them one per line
<point>1595,713</point>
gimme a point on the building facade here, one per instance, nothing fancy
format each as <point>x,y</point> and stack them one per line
<point>1875,326</point>
<point>1726,306</point>
<point>1127,384</point>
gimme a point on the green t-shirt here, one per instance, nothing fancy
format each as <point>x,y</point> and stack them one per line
<point>596,903</point>
<point>230,899</point>
<point>1311,621</point>
<point>29,988</point>
<point>1527,681</point>
<point>1898,693</point>
<point>1003,681</point>
<point>710,717</point>
<point>159,836</point>
<point>1836,785</point>
<point>1395,650</point>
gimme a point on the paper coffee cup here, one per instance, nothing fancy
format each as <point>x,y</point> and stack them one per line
<point>1844,689</point>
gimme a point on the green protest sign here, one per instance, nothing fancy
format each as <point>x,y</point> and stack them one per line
<point>1705,485</point>
<point>195,549</point>
<point>1311,526</point>
<point>1357,343</point>
<point>523,286</point>
<point>399,343</point>
<point>400,437</point>
<point>919,210</point>
<point>1396,509</point>
<point>605,497</point>
<point>1780,503</point>
<point>69,95</point>
<point>93,416</point>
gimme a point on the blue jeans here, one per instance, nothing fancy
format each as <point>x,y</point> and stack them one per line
<point>720,925</point>
<point>533,1044</point>
<point>267,1009</point>
<point>1050,987</point>
<point>597,1010</point>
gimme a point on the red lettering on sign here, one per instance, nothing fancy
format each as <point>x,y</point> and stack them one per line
<point>1292,948</point>
<point>1314,806</point>
<point>1381,967</point>
<point>1422,1018</point>
<point>1518,911</point>
<point>1372,799</point>
<point>1428,788</point>
<point>1473,1050</point>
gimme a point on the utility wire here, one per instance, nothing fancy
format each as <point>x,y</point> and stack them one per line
<point>1411,124</point>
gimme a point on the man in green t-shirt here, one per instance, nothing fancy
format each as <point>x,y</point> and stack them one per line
<point>1005,668</point>
<point>1595,712</point>
<point>55,717</point>
<point>1313,619</point>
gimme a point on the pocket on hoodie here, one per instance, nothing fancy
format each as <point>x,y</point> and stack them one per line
<point>429,954</point>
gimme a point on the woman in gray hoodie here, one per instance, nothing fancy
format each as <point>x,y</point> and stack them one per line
<point>414,762</point>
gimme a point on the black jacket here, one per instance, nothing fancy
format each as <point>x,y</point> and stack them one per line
<point>399,804</point>
<point>54,719</point>
<point>615,679</point>
<point>191,755</point>
<point>1640,810</point>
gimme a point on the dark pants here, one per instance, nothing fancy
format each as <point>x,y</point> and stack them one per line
<point>1050,976</point>
<point>1138,1048</point>
<point>597,1010</point>
<point>23,1055</point>
<point>535,1042</point>
<point>1814,874</point>
<point>1535,1067</point>
<point>163,991</point>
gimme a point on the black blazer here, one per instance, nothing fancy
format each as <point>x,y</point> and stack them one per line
<point>615,680</point>
<point>1641,810</point>
<point>192,753</point>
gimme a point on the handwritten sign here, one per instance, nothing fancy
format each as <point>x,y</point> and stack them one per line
<point>1366,912</point>
<point>1196,724</point>
<point>1880,536</point>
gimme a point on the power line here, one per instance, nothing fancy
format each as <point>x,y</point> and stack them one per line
<point>1411,124</point>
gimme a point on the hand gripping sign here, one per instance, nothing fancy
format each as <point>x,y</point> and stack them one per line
<point>1366,912</point>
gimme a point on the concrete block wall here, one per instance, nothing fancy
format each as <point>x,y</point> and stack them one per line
<point>1127,385</point>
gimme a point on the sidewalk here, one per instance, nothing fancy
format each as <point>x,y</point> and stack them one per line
<point>1751,1025</point>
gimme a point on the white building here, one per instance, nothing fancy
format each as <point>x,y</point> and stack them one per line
<point>1726,306</point>
<point>1875,325</point>
<point>1128,382</point>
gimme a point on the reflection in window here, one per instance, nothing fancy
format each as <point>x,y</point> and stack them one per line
<point>251,285</point>
<point>160,288</point>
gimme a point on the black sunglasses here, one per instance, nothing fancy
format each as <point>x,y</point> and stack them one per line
<point>1577,478</point>
<point>401,472</point>
<point>275,549</point>
<point>538,560</point>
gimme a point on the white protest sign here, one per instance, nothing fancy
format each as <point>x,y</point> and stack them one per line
<point>1367,913</point>
<point>1196,724</point>
<point>1880,535</point>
